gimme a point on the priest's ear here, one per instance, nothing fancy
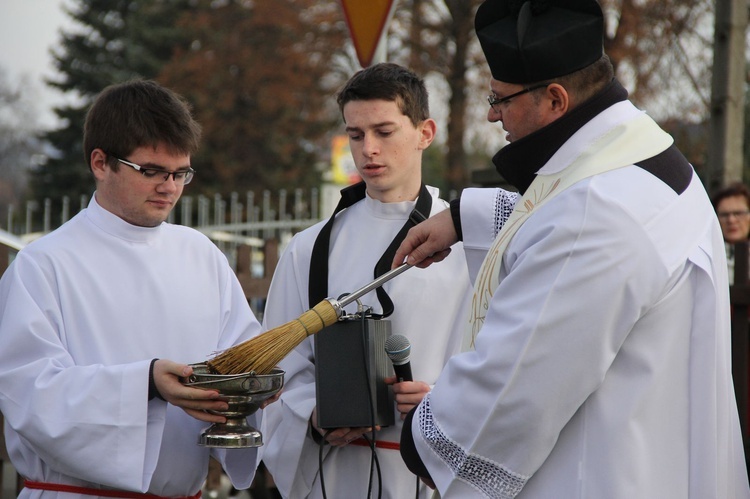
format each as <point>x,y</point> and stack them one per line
<point>558,100</point>
<point>427,130</point>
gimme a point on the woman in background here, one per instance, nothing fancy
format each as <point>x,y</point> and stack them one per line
<point>732,205</point>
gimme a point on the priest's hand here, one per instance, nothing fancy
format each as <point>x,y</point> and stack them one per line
<point>339,437</point>
<point>427,242</point>
<point>408,394</point>
<point>194,401</point>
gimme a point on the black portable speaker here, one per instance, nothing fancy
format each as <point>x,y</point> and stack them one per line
<point>349,357</point>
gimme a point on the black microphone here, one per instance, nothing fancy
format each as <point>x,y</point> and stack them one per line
<point>398,348</point>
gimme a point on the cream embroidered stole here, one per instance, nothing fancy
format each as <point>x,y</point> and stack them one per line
<point>625,144</point>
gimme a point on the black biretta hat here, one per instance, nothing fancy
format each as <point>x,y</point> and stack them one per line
<point>537,40</point>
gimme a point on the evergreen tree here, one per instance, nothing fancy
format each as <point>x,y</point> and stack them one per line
<point>113,42</point>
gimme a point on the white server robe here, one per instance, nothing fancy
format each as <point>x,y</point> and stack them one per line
<point>430,307</point>
<point>83,310</point>
<point>603,368</point>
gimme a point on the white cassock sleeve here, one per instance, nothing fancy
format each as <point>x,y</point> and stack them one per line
<point>483,213</point>
<point>49,388</point>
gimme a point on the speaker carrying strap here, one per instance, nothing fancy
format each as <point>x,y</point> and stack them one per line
<point>318,285</point>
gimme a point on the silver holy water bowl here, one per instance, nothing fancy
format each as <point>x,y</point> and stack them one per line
<point>244,393</point>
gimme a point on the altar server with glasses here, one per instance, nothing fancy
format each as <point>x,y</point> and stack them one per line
<point>91,313</point>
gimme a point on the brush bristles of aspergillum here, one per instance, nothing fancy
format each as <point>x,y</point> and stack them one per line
<point>262,353</point>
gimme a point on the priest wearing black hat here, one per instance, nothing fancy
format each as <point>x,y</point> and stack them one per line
<point>597,356</point>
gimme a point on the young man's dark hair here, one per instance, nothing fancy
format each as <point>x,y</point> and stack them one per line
<point>389,82</point>
<point>139,113</point>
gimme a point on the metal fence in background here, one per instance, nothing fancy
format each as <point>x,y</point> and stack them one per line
<point>229,222</point>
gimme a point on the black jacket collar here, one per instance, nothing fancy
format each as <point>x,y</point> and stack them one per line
<point>519,161</point>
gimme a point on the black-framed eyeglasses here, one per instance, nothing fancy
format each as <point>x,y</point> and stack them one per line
<point>495,101</point>
<point>158,176</point>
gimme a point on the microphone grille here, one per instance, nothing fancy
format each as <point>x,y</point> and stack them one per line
<point>397,347</point>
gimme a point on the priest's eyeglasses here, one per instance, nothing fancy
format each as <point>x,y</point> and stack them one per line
<point>496,101</point>
<point>158,175</point>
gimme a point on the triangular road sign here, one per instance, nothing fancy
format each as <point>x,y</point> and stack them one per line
<point>366,20</point>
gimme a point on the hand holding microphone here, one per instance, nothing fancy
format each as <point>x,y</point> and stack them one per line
<point>408,393</point>
<point>398,349</point>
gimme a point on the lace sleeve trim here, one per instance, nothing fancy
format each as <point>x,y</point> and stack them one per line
<point>488,477</point>
<point>505,201</point>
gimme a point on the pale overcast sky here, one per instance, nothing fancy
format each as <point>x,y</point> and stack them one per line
<point>28,28</point>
